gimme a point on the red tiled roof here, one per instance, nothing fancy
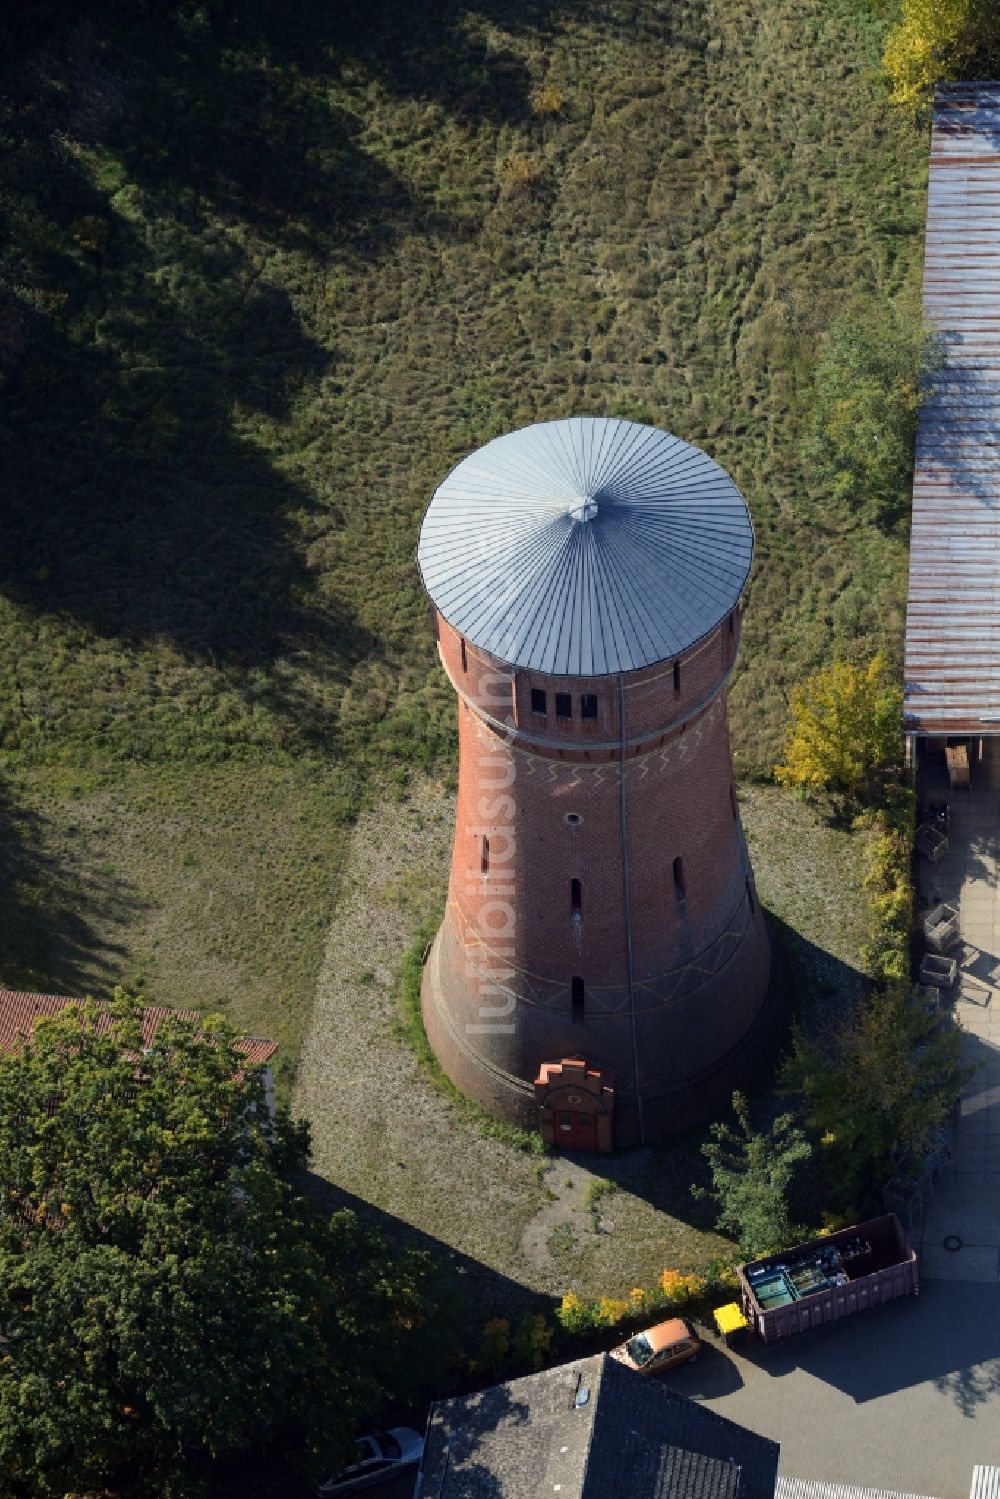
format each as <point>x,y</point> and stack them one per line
<point>19,1011</point>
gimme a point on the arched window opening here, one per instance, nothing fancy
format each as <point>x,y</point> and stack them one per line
<point>576,990</point>
<point>484,855</point>
<point>575,900</point>
<point>680,890</point>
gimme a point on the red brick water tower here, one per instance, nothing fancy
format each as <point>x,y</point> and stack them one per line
<point>603,964</point>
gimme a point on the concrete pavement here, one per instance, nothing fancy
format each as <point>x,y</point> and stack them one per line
<point>960,1236</point>
<point>905,1397</point>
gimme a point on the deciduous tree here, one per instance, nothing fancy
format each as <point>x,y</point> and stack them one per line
<point>936,40</point>
<point>846,724</point>
<point>751,1174</point>
<point>169,1301</point>
<point>866,398</point>
<point>885,1084</point>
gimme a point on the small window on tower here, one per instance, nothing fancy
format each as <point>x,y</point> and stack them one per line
<point>753,903</point>
<point>679,887</point>
<point>732,622</point>
<point>576,990</point>
<point>732,802</point>
<point>564,705</point>
<point>539,702</point>
<point>677,679</point>
<point>575,899</point>
<point>484,855</point>
<point>465,659</point>
<point>588,705</point>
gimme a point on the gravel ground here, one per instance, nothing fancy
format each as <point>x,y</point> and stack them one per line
<point>383,1133</point>
<point>386,1135</point>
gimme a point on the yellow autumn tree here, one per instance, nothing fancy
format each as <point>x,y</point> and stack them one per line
<point>846,724</point>
<point>937,40</point>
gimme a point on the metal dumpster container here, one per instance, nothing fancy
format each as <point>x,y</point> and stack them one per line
<point>828,1278</point>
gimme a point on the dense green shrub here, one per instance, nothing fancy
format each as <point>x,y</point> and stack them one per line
<point>885,1084</point>
<point>751,1175</point>
<point>867,395</point>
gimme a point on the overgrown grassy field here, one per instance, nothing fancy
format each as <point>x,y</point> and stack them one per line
<point>270,271</point>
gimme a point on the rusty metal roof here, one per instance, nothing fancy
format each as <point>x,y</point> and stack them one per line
<point>586,546</point>
<point>20,1010</point>
<point>952,671</point>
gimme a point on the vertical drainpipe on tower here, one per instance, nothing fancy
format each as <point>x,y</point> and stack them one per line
<point>628,905</point>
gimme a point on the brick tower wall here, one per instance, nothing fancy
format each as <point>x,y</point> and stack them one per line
<point>541,806</point>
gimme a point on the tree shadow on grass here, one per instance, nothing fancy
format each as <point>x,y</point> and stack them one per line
<point>451,50</point>
<point>149,363</point>
<point>131,506</point>
<point>49,918</point>
<point>141,500</point>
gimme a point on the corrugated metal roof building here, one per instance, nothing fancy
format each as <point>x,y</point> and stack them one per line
<point>952,670</point>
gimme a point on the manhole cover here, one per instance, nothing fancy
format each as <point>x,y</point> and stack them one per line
<point>952,1242</point>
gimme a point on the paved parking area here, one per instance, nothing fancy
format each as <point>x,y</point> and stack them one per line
<point>905,1397</point>
<point>960,1237</point>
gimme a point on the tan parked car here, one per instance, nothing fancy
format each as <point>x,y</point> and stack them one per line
<point>660,1347</point>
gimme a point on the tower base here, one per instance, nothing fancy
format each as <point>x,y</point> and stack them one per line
<point>666,1105</point>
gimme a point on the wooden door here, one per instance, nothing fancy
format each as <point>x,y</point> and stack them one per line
<point>575,1131</point>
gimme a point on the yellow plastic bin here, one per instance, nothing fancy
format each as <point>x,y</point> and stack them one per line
<point>730,1323</point>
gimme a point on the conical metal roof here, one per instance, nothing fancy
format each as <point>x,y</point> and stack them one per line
<point>585,546</point>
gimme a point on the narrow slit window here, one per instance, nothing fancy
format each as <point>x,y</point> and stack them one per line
<point>564,705</point>
<point>588,705</point>
<point>732,622</point>
<point>680,890</point>
<point>575,899</point>
<point>576,990</point>
<point>750,896</point>
<point>732,802</point>
<point>465,659</point>
<point>539,702</point>
<point>484,855</point>
<point>677,679</point>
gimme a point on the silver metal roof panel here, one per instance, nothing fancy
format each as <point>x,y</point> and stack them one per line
<point>586,546</point>
<point>952,674</point>
<point>809,1488</point>
<point>985,1482</point>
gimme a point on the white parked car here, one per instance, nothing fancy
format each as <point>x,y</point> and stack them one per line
<point>380,1457</point>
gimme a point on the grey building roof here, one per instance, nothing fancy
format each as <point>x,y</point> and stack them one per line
<point>808,1488</point>
<point>952,654</point>
<point>586,546</point>
<point>590,1430</point>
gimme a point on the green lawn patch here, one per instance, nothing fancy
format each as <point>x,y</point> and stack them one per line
<point>272,271</point>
